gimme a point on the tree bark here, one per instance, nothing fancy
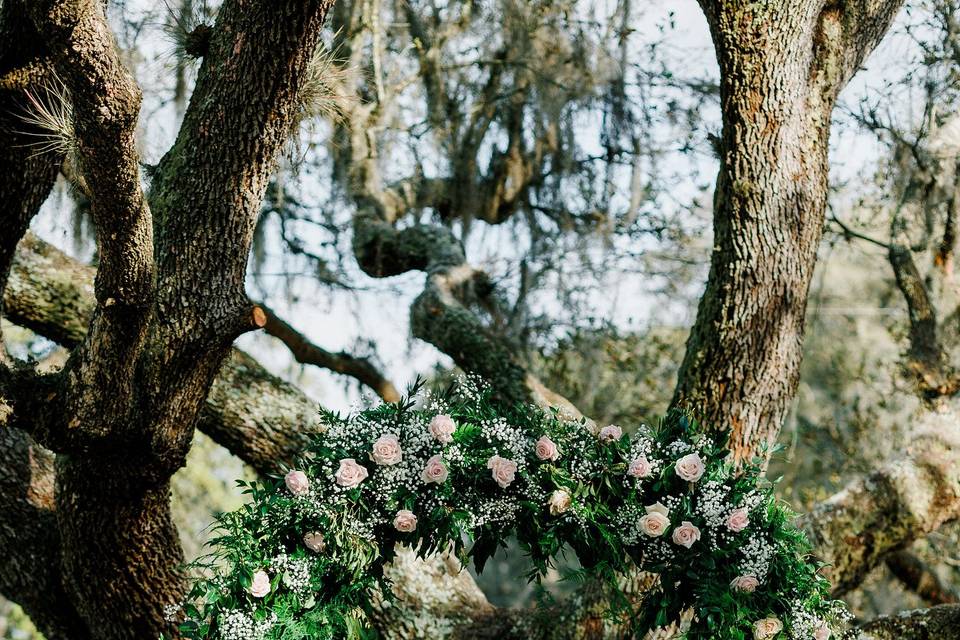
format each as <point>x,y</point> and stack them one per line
<point>936,623</point>
<point>782,65</point>
<point>121,414</point>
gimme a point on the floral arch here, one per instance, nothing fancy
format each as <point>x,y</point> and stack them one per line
<point>304,558</point>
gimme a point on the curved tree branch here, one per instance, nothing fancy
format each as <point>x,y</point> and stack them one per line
<point>305,352</point>
<point>887,509</point>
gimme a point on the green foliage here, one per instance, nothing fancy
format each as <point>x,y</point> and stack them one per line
<point>593,497</point>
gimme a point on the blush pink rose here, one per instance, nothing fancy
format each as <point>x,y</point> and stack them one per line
<point>547,450</point>
<point>386,450</point>
<point>610,433</point>
<point>686,534</point>
<point>314,541</point>
<point>435,471</point>
<point>822,633</point>
<point>766,628</point>
<point>503,470</point>
<point>640,468</point>
<point>260,585</point>
<point>748,584</point>
<point>405,521</point>
<point>442,428</point>
<point>559,502</point>
<point>690,467</point>
<point>297,483</point>
<point>656,522</point>
<point>350,474</point>
<point>738,520</point>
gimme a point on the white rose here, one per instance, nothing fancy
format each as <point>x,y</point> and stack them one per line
<point>297,483</point>
<point>822,633</point>
<point>766,628</point>
<point>656,522</point>
<point>546,449</point>
<point>442,428</point>
<point>640,468</point>
<point>610,433</point>
<point>386,450</point>
<point>435,471</point>
<point>405,521</point>
<point>748,584</point>
<point>350,474</point>
<point>559,502</point>
<point>503,470</point>
<point>260,585</point>
<point>314,541</point>
<point>658,507</point>
<point>690,467</point>
<point>686,534</point>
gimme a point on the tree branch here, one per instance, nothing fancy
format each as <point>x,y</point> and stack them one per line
<point>926,356</point>
<point>884,511</point>
<point>936,623</point>
<point>916,576</point>
<point>99,379</point>
<point>26,174</point>
<point>305,352</point>
<point>259,418</point>
<point>440,315</point>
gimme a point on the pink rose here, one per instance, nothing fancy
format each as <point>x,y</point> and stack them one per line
<point>314,541</point>
<point>748,584</point>
<point>350,474</point>
<point>435,471</point>
<point>738,520</point>
<point>686,534</point>
<point>610,433</point>
<point>655,523</point>
<point>386,450</point>
<point>546,449</point>
<point>822,633</point>
<point>260,585</point>
<point>766,628</point>
<point>559,502</point>
<point>405,521</point>
<point>503,470</point>
<point>690,467</point>
<point>297,483</point>
<point>640,468</point>
<point>442,428</point>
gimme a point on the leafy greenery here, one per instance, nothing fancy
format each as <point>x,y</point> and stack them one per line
<point>599,498</point>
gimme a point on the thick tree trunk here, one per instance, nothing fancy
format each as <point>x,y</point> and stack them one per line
<point>121,414</point>
<point>781,67</point>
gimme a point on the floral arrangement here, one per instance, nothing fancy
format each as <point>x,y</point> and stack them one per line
<point>305,557</point>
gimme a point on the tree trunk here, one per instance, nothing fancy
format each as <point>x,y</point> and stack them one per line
<point>781,67</point>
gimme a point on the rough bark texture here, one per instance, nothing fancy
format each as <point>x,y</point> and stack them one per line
<point>258,417</point>
<point>30,572</point>
<point>937,623</point>
<point>889,508</point>
<point>781,66</point>
<point>26,176</point>
<point>120,415</point>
